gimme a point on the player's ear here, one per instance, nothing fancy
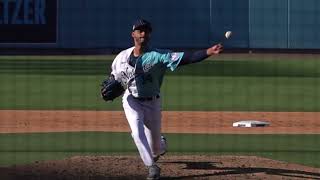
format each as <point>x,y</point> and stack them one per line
<point>132,34</point>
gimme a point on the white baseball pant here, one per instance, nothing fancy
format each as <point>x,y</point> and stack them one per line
<point>144,118</point>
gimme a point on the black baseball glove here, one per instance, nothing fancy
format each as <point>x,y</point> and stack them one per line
<point>111,89</point>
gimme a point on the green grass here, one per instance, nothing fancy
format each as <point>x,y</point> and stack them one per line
<point>242,85</point>
<point>23,148</point>
<point>243,94</point>
<point>223,93</point>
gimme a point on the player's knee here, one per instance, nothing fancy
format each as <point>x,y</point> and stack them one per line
<point>135,135</point>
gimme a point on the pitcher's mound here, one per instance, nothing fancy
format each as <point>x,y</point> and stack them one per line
<point>172,167</point>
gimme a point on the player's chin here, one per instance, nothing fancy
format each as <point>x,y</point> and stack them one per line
<point>144,41</point>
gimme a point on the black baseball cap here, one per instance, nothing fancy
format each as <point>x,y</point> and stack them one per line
<point>141,23</point>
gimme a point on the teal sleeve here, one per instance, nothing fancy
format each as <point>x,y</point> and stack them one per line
<point>172,59</point>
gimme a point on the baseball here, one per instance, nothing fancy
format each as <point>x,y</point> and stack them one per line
<point>228,34</point>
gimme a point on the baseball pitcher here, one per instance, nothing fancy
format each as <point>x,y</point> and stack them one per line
<point>137,73</point>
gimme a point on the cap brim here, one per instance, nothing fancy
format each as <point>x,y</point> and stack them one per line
<point>142,27</point>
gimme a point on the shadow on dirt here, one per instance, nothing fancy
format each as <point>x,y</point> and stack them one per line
<point>207,169</point>
<point>221,171</point>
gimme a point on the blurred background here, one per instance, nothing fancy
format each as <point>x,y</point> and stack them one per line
<point>106,24</point>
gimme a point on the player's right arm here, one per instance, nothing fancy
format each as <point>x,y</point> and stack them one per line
<point>114,65</point>
<point>118,66</point>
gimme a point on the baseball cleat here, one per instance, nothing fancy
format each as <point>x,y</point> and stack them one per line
<point>166,145</point>
<point>154,172</point>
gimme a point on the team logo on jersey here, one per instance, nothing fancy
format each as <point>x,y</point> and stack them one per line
<point>147,67</point>
<point>174,56</point>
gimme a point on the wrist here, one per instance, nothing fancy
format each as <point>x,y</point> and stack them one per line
<point>209,52</point>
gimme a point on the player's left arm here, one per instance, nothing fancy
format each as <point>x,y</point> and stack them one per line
<point>174,59</point>
<point>200,55</point>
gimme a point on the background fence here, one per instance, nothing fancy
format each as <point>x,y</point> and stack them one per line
<point>285,24</point>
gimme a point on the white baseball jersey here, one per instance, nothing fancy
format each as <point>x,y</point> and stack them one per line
<point>145,78</point>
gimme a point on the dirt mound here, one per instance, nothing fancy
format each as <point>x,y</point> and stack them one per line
<point>172,167</point>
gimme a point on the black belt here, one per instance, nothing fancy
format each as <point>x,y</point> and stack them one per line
<point>147,98</point>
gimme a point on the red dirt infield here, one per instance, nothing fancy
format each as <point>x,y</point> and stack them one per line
<point>20,121</point>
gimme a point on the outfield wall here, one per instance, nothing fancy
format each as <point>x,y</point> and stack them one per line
<point>285,24</point>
